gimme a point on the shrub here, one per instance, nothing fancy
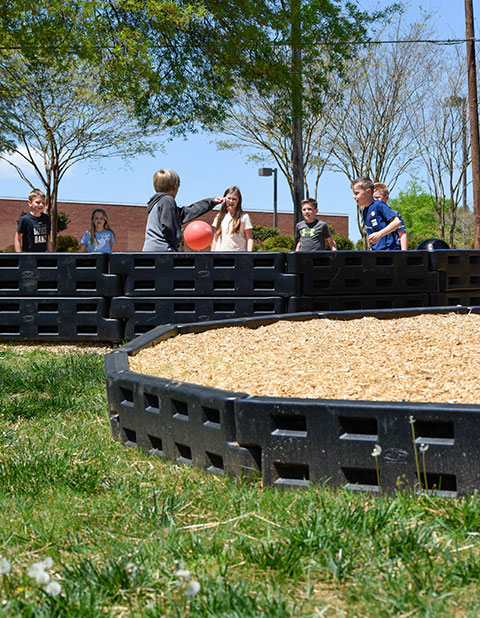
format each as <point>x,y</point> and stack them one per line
<point>279,243</point>
<point>262,232</point>
<point>67,243</point>
<point>343,243</point>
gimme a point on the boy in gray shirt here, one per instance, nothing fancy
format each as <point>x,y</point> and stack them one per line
<point>312,233</point>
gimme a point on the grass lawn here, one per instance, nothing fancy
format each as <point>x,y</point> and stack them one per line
<point>123,529</point>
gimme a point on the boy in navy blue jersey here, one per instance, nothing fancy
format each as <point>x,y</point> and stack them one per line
<point>380,192</point>
<point>380,220</point>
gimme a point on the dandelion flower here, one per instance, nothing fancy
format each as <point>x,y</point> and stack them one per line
<point>423,448</point>
<point>132,569</point>
<point>5,566</point>
<point>377,450</point>
<point>182,574</point>
<point>53,589</point>
<point>192,588</point>
<point>47,563</point>
<point>37,572</point>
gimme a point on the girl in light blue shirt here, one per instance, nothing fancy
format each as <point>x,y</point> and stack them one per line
<point>100,236</point>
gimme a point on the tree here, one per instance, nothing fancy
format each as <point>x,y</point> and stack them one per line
<point>441,126</point>
<point>416,208</point>
<point>53,119</point>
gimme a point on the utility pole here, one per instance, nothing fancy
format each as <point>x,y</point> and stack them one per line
<point>473,116</point>
<point>297,107</point>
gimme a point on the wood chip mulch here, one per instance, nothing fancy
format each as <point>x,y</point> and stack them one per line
<point>421,358</point>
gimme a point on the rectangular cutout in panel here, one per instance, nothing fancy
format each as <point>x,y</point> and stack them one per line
<point>289,425</point>
<point>144,307</point>
<point>184,307</point>
<point>47,308</point>
<point>9,285</point>
<point>9,263</point>
<point>453,280</point>
<point>453,259</point>
<point>47,329</point>
<point>47,285</point>
<point>289,474</point>
<point>87,330</point>
<point>474,259</point>
<point>384,260</point>
<point>320,262</point>
<point>264,285</point>
<point>475,281</point>
<point>384,283</point>
<point>126,397</point>
<point>440,484</point>
<point>144,262</point>
<point>87,307</point>
<point>353,261</point>
<point>151,403</point>
<point>184,285</point>
<point>211,417</point>
<point>224,285</point>
<point>9,329</point>
<point>86,285</point>
<point>441,433</point>
<point>361,479</point>
<point>47,263</point>
<point>130,437</point>
<point>10,308</point>
<point>264,262</point>
<point>179,410</point>
<point>357,428</point>
<point>414,260</point>
<point>224,307</point>
<point>216,463</point>
<point>183,262</point>
<point>156,447</point>
<point>223,262</point>
<point>86,262</point>
<point>144,284</point>
<point>264,307</point>
<point>184,453</point>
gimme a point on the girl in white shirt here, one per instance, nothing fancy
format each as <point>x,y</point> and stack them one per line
<point>233,230</point>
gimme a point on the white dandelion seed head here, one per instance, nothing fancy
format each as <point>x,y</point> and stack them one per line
<point>423,448</point>
<point>132,569</point>
<point>192,588</point>
<point>47,563</point>
<point>412,420</point>
<point>53,589</point>
<point>42,578</point>
<point>5,566</point>
<point>377,450</point>
<point>182,574</point>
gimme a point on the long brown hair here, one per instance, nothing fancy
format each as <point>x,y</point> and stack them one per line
<point>93,238</point>
<point>237,215</point>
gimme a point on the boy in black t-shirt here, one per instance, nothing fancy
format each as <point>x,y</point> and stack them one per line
<point>33,230</point>
<point>312,233</point>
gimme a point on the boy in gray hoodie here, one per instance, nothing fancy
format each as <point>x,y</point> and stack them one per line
<point>165,218</point>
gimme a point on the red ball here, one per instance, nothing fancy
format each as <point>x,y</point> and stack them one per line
<point>198,235</point>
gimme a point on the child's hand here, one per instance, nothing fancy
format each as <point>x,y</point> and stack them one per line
<point>218,200</point>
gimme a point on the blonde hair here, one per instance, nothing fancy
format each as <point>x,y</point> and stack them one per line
<point>36,193</point>
<point>237,215</point>
<point>106,226</point>
<point>364,182</point>
<point>381,188</point>
<point>165,180</point>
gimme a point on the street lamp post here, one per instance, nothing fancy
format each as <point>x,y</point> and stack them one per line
<point>268,171</point>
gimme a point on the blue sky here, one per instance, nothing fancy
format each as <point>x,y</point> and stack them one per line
<point>206,171</point>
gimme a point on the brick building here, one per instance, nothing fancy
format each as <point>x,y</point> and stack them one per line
<point>128,221</point>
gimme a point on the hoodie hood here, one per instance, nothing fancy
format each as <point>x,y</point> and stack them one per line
<point>154,200</point>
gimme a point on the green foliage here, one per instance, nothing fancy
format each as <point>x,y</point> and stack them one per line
<point>118,523</point>
<point>62,221</point>
<point>417,210</point>
<point>67,243</point>
<point>9,249</point>
<point>343,243</point>
<point>360,246</point>
<point>262,232</point>
<point>279,243</point>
